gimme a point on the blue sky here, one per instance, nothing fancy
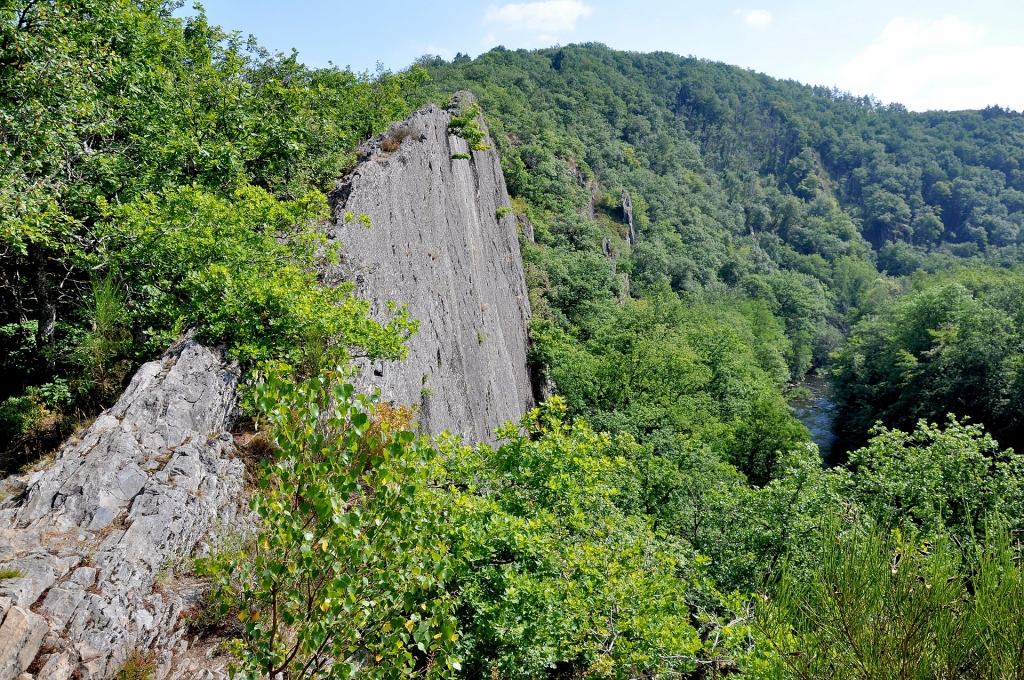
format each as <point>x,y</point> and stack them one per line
<point>934,54</point>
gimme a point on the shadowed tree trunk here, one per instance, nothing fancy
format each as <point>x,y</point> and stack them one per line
<point>47,310</point>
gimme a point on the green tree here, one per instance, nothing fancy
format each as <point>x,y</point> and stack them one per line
<point>241,273</point>
<point>562,574</point>
<point>954,479</point>
<point>109,108</point>
<point>952,346</point>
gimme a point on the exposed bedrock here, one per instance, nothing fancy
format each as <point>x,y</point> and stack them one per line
<point>443,240</point>
<point>88,541</point>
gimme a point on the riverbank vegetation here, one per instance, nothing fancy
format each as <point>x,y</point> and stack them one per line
<point>695,239</point>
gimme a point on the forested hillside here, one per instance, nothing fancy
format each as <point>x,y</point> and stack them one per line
<point>696,238</point>
<point>750,193</point>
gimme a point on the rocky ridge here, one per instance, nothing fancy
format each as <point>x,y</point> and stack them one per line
<point>94,542</point>
<point>88,543</point>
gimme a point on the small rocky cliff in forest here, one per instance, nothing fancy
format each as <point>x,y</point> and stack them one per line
<point>443,241</point>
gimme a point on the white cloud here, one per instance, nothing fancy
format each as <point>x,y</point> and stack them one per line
<point>755,18</point>
<point>944,64</point>
<point>547,17</point>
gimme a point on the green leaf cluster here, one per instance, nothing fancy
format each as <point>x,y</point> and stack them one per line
<point>660,368</point>
<point>563,574</point>
<point>380,556</point>
<point>466,124</point>
<point>169,159</point>
<point>349,573</point>
<point>239,270</point>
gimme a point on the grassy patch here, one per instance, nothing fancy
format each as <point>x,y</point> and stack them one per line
<point>138,666</point>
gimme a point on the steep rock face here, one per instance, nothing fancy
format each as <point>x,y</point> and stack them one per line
<point>443,240</point>
<point>627,210</point>
<point>89,536</point>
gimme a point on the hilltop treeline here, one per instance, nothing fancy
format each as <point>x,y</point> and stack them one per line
<point>754,193</point>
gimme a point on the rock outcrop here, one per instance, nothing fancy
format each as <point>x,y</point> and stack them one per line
<point>88,542</point>
<point>627,212</point>
<point>443,241</point>
<point>91,541</point>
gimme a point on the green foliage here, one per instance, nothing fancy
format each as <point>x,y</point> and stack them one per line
<point>18,415</point>
<point>102,352</point>
<point>576,125</point>
<point>465,124</point>
<point>351,563</point>
<point>17,356</point>
<point>561,576</point>
<point>953,479</point>
<point>138,666</point>
<point>87,159</point>
<point>241,274</point>
<point>767,219</point>
<point>889,605</point>
<point>657,368</point>
<point>953,345</point>
<point>518,560</point>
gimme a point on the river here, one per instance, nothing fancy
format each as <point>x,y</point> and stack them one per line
<point>818,415</point>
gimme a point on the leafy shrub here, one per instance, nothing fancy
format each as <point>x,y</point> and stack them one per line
<point>240,272</point>
<point>351,564</point>
<point>953,479</point>
<point>381,555</point>
<point>18,415</point>
<point>18,356</point>
<point>157,105</point>
<point>562,575</point>
<point>465,124</point>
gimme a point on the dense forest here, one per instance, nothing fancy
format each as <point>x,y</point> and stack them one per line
<point>801,208</point>
<point>696,238</point>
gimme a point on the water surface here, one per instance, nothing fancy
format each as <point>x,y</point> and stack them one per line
<point>818,415</point>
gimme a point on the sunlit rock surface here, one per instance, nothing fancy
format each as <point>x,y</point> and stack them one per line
<point>90,540</point>
<point>444,241</point>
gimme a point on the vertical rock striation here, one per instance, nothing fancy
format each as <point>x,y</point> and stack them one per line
<point>443,241</point>
<point>627,211</point>
<point>87,538</point>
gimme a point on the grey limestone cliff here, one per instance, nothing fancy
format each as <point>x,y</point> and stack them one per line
<point>88,536</point>
<point>443,241</point>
